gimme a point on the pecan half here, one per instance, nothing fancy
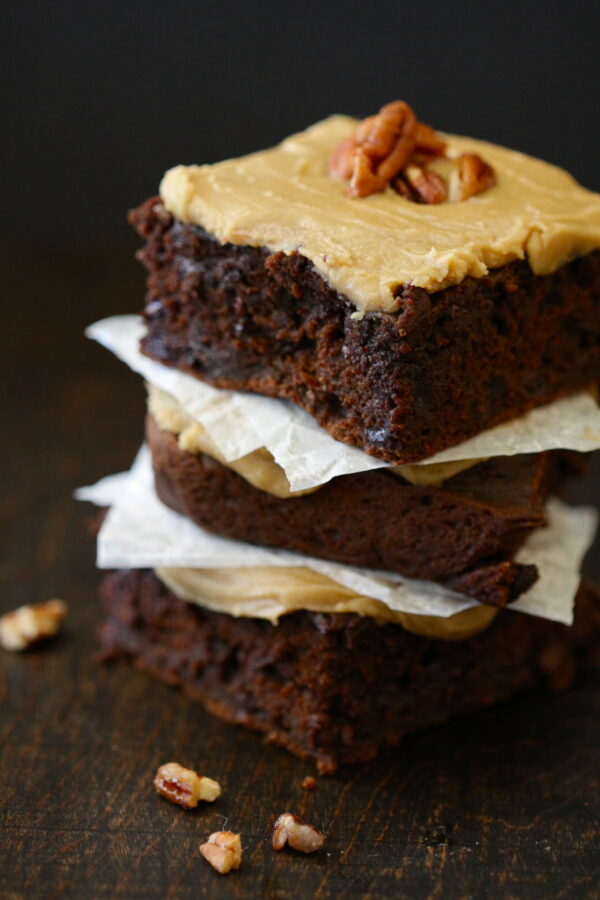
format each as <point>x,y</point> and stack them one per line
<point>385,144</point>
<point>474,174</point>
<point>288,829</point>
<point>421,185</point>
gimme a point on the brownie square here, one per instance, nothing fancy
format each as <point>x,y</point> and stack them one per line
<point>336,688</point>
<point>402,385</point>
<point>462,533</point>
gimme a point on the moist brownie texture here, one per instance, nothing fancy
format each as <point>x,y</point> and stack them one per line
<point>335,688</point>
<point>401,385</point>
<point>462,533</point>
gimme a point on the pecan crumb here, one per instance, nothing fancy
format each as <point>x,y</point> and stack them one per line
<point>184,786</point>
<point>309,783</point>
<point>223,850</point>
<point>289,829</point>
<point>394,148</point>
<point>29,624</point>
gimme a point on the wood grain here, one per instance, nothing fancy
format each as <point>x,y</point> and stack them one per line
<point>502,805</point>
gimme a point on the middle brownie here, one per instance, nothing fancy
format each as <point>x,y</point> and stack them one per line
<point>462,533</point>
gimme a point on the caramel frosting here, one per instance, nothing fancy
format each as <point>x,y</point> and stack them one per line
<point>285,200</point>
<point>271,592</point>
<point>259,467</point>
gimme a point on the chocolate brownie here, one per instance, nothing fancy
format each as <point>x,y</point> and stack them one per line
<point>335,688</point>
<point>402,385</point>
<point>462,533</point>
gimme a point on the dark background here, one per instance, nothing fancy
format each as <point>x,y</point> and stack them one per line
<point>103,97</point>
<point>97,100</point>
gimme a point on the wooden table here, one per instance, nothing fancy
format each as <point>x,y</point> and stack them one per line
<point>500,805</point>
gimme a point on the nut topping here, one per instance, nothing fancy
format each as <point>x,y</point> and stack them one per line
<point>27,625</point>
<point>341,161</point>
<point>427,142</point>
<point>184,786</point>
<point>385,144</point>
<point>421,185</point>
<point>288,829</point>
<point>394,148</point>
<point>475,175</point>
<point>223,850</point>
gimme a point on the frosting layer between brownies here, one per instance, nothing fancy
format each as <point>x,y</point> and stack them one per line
<point>259,467</point>
<point>285,200</point>
<point>270,592</point>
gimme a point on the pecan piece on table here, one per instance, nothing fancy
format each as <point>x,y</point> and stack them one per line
<point>28,625</point>
<point>184,786</point>
<point>223,850</point>
<point>289,829</point>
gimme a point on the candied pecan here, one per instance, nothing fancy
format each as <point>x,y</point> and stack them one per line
<point>475,175</point>
<point>223,850</point>
<point>288,829</point>
<point>23,627</point>
<point>184,786</point>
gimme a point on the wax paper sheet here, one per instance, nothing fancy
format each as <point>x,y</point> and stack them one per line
<point>239,423</point>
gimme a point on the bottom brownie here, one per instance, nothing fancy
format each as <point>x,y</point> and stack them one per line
<point>335,687</point>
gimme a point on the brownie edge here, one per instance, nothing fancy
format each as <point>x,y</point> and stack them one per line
<point>336,688</point>
<point>401,385</point>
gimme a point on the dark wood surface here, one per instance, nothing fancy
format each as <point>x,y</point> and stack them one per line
<point>501,805</point>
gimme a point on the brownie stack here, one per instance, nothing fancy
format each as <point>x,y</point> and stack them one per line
<point>403,379</point>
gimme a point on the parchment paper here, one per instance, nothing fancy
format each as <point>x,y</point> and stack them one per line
<point>139,531</point>
<point>239,423</point>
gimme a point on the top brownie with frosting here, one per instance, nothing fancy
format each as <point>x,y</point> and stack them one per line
<point>284,199</point>
<point>408,289</point>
